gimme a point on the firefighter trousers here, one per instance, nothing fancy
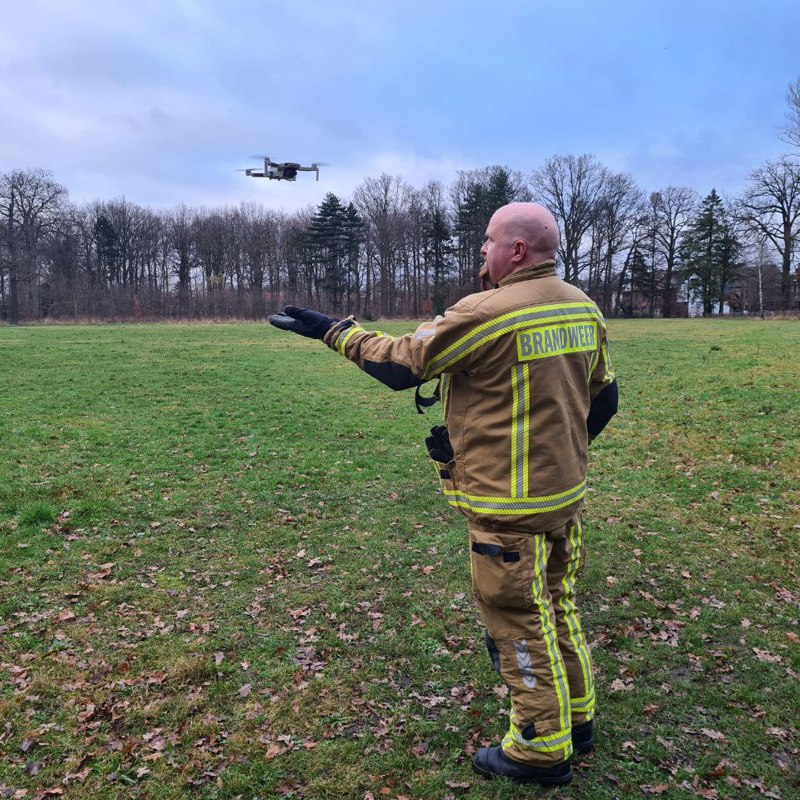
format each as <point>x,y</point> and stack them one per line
<point>524,586</point>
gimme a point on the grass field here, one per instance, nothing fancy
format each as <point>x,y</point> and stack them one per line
<point>227,572</point>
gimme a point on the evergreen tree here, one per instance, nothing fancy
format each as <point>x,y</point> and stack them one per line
<point>710,253</point>
<point>478,195</point>
<point>328,238</point>
<point>437,239</point>
<point>106,244</point>
<point>354,232</point>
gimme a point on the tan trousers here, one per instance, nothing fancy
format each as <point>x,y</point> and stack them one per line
<point>524,586</point>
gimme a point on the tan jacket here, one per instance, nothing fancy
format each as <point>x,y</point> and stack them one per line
<point>519,367</point>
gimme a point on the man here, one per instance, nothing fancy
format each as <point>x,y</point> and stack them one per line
<point>526,383</point>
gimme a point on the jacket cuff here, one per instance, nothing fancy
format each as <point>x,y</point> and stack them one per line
<point>331,338</point>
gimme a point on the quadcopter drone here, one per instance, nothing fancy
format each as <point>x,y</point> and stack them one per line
<point>284,171</point>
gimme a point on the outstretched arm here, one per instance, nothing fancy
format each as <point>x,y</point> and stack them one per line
<point>314,325</point>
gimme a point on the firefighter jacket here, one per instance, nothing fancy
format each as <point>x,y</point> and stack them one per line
<point>519,366</point>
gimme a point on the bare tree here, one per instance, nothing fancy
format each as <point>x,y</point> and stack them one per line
<point>674,208</point>
<point>570,187</point>
<point>30,205</point>
<point>382,202</point>
<point>618,208</point>
<point>771,205</point>
<point>791,129</point>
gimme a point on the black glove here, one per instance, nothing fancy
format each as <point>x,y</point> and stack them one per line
<point>303,321</point>
<point>438,444</point>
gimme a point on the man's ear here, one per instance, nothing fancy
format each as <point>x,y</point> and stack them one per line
<point>519,250</point>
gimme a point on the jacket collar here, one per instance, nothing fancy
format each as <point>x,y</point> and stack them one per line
<point>541,270</point>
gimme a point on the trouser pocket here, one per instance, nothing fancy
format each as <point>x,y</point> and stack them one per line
<point>503,568</point>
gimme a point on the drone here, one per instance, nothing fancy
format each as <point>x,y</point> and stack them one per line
<point>284,171</point>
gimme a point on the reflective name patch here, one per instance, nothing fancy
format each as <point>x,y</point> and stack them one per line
<point>555,340</point>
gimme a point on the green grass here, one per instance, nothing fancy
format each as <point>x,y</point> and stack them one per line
<point>226,572</point>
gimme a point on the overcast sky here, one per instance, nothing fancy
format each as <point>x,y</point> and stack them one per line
<point>160,101</point>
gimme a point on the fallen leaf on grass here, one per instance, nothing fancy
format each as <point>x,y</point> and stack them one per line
<point>245,690</point>
<point>764,655</point>
<point>275,750</point>
<point>757,784</point>
<point>621,685</point>
<point>420,749</point>
<point>712,734</point>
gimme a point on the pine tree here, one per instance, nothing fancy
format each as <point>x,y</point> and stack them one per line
<point>328,238</point>
<point>106,244</point>
<point>437,241</point>
<point>710,253</point>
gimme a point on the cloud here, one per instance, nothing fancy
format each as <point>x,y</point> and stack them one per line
<point>162,101</point>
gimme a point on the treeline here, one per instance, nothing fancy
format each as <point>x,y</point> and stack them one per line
<point>397,250</point>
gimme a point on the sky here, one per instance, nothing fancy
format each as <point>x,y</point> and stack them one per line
<point>161,101</point>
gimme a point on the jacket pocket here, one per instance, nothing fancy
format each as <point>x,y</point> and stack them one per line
<point>503,568</point>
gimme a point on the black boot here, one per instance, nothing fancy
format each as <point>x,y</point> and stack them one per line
<point>582,738</point>
<point>492,762</point>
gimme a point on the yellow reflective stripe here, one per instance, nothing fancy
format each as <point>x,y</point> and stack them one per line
<point>570,610</point>
<point>344,337</point>
<point>521,318</point>
<point>549,633</point>
<point>593,365</point>
<point>609,376</point>
<point>561,740</point>
<point>520,429</point>
<point>583,705</point>
<point>515,505</point>
<point>445,392</point>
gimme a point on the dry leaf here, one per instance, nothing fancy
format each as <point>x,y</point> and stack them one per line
<point>619,685</point>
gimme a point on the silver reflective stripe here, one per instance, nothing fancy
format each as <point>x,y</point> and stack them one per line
<point>524,663</point>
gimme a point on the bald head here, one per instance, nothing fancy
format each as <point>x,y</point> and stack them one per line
<point>518,236</point>
<point>532,223</point>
